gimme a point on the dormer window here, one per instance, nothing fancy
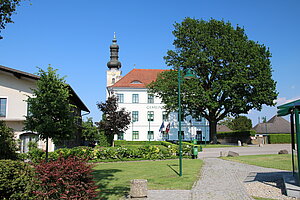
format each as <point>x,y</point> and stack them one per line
<point>136,82</point>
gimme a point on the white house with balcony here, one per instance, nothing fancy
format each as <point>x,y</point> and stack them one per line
<point>149,119</point>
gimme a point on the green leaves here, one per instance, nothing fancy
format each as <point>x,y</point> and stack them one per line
<point>51,114</point>
<point>114,120</point>
<point>234,74</point>
<point>7,8</point>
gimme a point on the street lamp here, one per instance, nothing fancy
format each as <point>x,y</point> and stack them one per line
<point>188,75</point>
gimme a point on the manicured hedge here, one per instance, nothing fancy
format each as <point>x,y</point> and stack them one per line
<point>279,138</point>
<point>124,142</point>
<point>16,180</point>
<point>235,134</point>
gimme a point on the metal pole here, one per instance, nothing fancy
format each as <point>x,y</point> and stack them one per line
<point>179,123</point>
<point>149,130</point>
<point>297,140</point>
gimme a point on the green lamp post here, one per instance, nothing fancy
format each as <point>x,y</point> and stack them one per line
<point>188,75</point>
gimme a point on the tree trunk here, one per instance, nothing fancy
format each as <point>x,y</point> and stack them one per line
<point>213,131</point>
<point>47,149</point>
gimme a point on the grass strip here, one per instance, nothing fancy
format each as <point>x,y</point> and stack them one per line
<point>113,179</point>
<point>276,161</point>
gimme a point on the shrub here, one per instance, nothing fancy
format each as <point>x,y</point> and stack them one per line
<point>16,180</point>
<point>124,142</point>
<point>7,142</point>
<point>65,179</point>
<point>235,134</point>
<point>279,138</point>
<point>104,140</point>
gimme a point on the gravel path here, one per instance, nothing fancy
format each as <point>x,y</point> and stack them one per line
<point>226,180</point>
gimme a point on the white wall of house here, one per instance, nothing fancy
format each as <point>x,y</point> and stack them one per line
<point>16,91</point>
<point>190,126</point>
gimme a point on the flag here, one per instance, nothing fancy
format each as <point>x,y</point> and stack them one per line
<point>168,128</point>
<point>161,127</point>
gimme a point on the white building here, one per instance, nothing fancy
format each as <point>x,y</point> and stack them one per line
<point>15,87</point>
<point>147,111</point>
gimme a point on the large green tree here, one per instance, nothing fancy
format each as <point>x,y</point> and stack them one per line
<point>233,73</point>
<point>7,8</point>
<point>241,123</point>
<point>115,120</point>
<point>50,113</point>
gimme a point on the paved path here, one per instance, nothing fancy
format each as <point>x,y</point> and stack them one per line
<point>251,150</point>
<point>221,179</point>
<point>224,180</point>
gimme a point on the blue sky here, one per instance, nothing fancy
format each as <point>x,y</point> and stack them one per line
<point>74,37</point>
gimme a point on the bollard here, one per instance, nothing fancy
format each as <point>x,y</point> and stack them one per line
<point>138,188</point>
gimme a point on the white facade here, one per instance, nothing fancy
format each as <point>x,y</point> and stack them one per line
<point>192,129</point>
<point>14,90</point>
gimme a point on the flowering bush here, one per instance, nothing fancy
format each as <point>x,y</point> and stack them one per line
<point>65,179</point>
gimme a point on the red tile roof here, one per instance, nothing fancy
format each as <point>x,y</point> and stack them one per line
<point>138,78</point>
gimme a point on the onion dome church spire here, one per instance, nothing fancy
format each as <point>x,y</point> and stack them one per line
<point>114,55</point>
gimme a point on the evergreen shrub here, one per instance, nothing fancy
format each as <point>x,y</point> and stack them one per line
<point>16,180</point>
<point>279,138</point>
<point>8,145</point>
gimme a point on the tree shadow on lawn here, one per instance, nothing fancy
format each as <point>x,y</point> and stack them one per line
<point>102,179</point>
<point>174,170</point>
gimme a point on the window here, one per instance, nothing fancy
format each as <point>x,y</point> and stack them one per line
<point>151,116</point>
<point>136,82</point>
<point>113,80</point>
<point>3,107</point>
<point>165,116</point>
<point>25,139</point>
<point>182,116</point>
<point>150,98</point>
<point>199,135</point>
<point>120,98</point>
<point>121,136</point>
<point>199,119</point>
<point>165,135</point>
<point>150,135</point>
<point>135,135</point>
<point>135,116</point>
<point>135,98</point>
<point>182,135</point>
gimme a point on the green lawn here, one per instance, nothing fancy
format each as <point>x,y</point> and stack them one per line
<point>114,178</point>
<point>277,161</point>
<point>260,198</point>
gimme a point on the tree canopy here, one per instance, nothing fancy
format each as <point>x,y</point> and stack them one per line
<point>50,112</point>
<point>115,120</point>
<point>233,73</point>
<point>7,8</point>
<point>89,130</point>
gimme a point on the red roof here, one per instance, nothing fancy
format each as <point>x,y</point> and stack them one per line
<point>138,78</point>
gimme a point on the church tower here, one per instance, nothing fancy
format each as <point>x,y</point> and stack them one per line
<point>113,74</point>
